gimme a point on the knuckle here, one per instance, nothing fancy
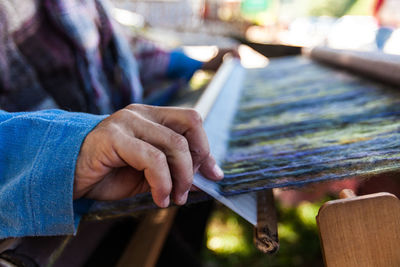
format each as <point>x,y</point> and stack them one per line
<point>123,114</point>
<point>158,157</point>
<point>163,190</point>
<point>113,130</point>
<point>132,106</point>
<point>199,158</point>
<point>108,128</point>
<point>127,118</point>
<point>194,118</point>
<point>204,153</point>
<point>201,154</point>
<point>138,107</point>
<point>187,183</point>
<point>179,142</point>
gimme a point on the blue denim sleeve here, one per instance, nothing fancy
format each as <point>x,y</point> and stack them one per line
<point>182,66</point>
<point>38,152</point>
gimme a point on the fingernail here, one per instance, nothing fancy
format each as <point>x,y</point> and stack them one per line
<point>183,198</point>
<point>165,202</point>
<point>217,171</point>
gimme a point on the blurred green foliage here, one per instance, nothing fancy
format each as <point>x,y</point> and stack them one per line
<point>254,6</point>
<point>200,79</point>
<point>333,8</point>
<point>230,239</point>
<point>362,7</point>
<point>309,8</point>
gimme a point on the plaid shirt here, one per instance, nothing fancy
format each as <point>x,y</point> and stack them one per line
<point>70,54</point>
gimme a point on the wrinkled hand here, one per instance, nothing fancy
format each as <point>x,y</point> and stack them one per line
<point>216,61</point>
<point>144,148</point>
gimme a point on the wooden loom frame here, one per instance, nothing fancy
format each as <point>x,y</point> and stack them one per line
<point>360,231</point>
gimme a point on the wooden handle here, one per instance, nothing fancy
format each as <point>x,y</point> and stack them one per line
<point>266,231</point>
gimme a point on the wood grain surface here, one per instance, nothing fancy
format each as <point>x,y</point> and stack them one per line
<point>361,231</point>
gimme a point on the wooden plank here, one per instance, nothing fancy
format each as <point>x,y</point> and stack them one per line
<point>146,244</point>
<point>266,230</point>
<point>360,231</point>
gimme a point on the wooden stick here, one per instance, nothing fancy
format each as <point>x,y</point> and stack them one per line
<point>146,244</point>
<point>266,230</point>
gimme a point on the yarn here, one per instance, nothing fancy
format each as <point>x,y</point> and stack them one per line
<point>300,122</point>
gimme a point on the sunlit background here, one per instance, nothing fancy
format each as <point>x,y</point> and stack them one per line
<point>201,26</point>
<point>350,24</point>
<point>366,25</point>
<point>230,239</point>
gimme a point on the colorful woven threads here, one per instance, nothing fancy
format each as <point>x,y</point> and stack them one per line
<point>299,122</point>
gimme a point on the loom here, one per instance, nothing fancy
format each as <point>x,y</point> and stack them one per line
<point>246,188</point>
<point>243,142</point>
<point>219,103</point>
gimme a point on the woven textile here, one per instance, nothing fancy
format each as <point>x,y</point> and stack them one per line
<point>299,122</point>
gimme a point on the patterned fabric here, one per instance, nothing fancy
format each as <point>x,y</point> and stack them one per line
<point>297,127</point>
<point>71,55</point>
<point>19,87</point>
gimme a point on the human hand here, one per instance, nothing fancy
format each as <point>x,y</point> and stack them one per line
<point>214,63</point>
<point>144,148</point>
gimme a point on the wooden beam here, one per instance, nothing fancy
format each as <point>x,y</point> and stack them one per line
<point>371,64</point>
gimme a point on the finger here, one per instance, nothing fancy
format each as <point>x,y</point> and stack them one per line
<point>176,149</point>
<point>186,122</point>
<point>145,157</point>
<point>198,144</point>
<point>121,183</point>
<point>211,170</point>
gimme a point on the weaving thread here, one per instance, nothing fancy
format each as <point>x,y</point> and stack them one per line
<point>299,122</point>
